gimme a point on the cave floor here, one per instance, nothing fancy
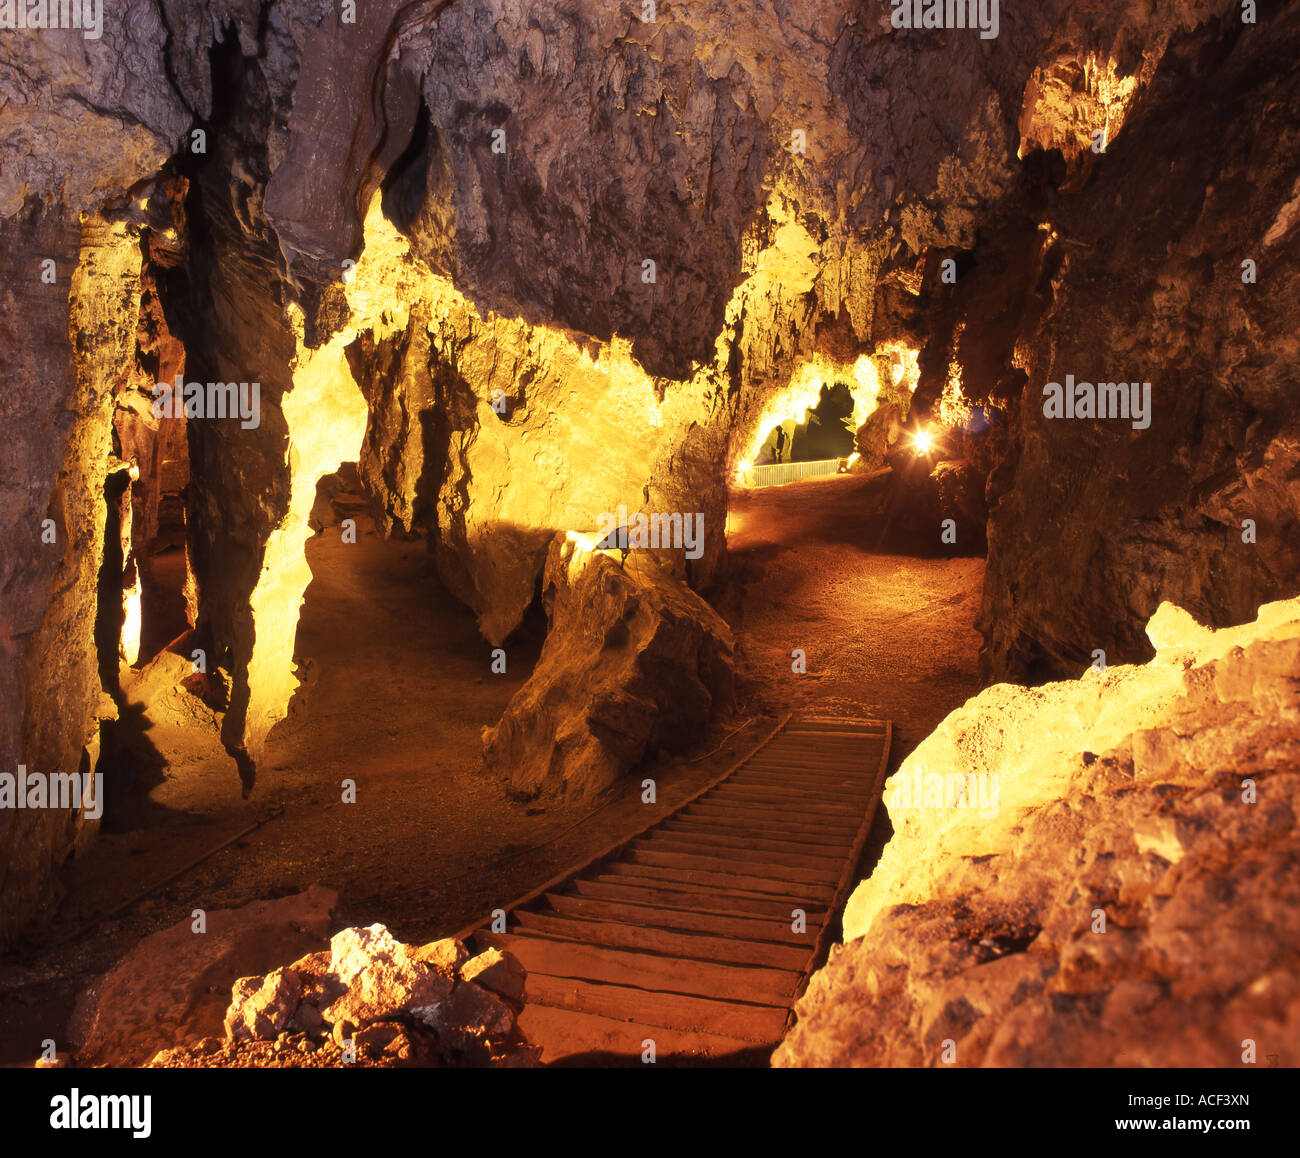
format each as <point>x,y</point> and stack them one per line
<point>889,636</point>
<point>396,685</point>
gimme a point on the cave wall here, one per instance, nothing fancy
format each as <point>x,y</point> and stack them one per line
<point>795,171</point>
<point>1139,276</point>
<point>69,345</point>
<point>525,254</point>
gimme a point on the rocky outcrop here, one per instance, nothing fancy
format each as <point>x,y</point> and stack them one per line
<point>372,1000</point>
<point>1169,258</point>
<point>172,985</point>
<point>1101,872</point>
<point>82,126</point>
<point>634,662</point>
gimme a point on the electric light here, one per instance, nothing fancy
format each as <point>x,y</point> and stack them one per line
<point>923,441</point>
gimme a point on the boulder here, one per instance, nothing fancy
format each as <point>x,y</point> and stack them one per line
<point>1099,872</point>
<point>382,977</point>
<point>174,985</point>
<point>634,662</point>
<point>472,1013</point>
<point>499,972</point>
<point>260,1007</point>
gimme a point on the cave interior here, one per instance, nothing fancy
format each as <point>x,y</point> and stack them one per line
<point>390,390</point>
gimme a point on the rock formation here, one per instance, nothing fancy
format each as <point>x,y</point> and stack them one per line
<point>371,1000</point>
<point>525,266</point>
<point>172,985</point>
<point>634,662</point>
<point>1101,872</point>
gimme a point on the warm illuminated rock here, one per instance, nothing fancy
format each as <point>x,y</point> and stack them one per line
<point>382,978</point>
<point>176,984</point>
<point>634,662</point>
<point>1156,803</point>
<point>260,1007</point>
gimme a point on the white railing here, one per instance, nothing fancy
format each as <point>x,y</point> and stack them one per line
<point>777,473</point>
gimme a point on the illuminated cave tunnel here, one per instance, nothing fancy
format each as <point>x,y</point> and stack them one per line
<point>534,537</point>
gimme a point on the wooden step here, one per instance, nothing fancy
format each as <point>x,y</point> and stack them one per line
<point>780,787</point>
<point>829,844</point>
<point>809,765</point>
<point>757,1023</point>
<point>666,917</point>
<point>791,798</point>
<point>571,1038</point>
<point>799,896</point>
<point>686,896</point>
<point>665,835</point>
<point>801,874</point>
<point>647,971</point>
<point>854,780</point>
<point>765,810</point>
<point>831,792</point>
<point>779,827</point>
<point>716,803</point>
<point>696,945</point>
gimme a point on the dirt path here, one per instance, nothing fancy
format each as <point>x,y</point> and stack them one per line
<point>884,634</point>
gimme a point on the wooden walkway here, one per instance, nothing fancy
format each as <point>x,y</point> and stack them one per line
<point>689,934</point>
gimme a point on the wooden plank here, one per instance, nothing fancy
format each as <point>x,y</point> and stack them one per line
<point>843,791</point>
<point>817,746</point>
<point>814,765</point>
<point>836,781</point>
<point>765,809</point>
<point>740,798</point>
<point>829,738</point>
<point>696,945</point>
<point>795,797</point>
<point>800,896</point>
<point>757,1023</point>
<point>734,855</point>
<point>809,760</point>
<point>846,725</point>
<point>833,844</point>
<point>854,783</point>
<point>838,785</point>
<point>715,840</point>
<point>647,876</point>
<point>665,917</point>
<point>646,971</point>
<point>680,895</point>
<point>720,816</point>
<point>851,727</point>
<point>554,882</point>
<point>802,874</point>
<point>570,1038</point>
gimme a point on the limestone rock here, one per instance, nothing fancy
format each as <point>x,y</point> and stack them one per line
<point>1094,523</point>
<point>472,1013</point>
<point>260,1007</point>
<point>446,956</point>
<point>383,978</point>
<point>176,984</point>
<point>634,662</point>
<point>499,972</point>
<point>1101,872</point>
